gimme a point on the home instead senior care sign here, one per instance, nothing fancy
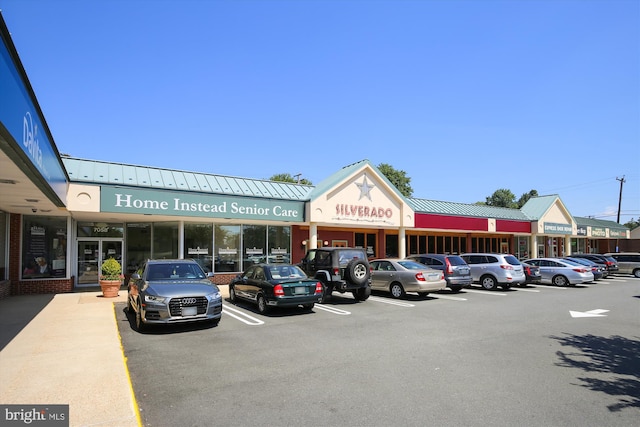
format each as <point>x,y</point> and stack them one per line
<point>126,200</point>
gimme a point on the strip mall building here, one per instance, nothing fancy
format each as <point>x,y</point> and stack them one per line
<point>61,217</point>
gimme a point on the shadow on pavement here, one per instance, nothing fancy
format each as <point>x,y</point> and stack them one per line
<point>613,355</point>
<point>17,311</point>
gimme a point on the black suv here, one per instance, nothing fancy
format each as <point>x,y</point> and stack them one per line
<point>339,269</point>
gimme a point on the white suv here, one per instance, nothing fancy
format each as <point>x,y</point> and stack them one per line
<point>493,270</point>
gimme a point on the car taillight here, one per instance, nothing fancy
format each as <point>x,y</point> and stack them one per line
<point>336,271</point>
<point>528,270</point>
<point>318,288</point>
<point>580,270</point>
<point>278,290</point>
<point>506,267</point>
<point>449,267</point>
<point>420,277</point>
<point>610,263</point>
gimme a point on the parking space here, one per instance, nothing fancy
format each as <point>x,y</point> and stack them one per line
<point>364,363</point>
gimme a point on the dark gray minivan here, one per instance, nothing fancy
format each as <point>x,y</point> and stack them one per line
<point>456,272</point>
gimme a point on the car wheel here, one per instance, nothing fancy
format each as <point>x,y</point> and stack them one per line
<point>636,273</point>
<point>362,294</point>
<point>308,307</point>
<point>560,281</point>
<point>455,289</point>
<point>139,322</point>
<point>423,294</point>
<point>232,294</point>
<point>397,291</point>
<point>262,304</point>
<point>358,271</point>
<point>488,282</point>
<point>129,306</point>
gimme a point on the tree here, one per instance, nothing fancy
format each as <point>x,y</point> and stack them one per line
<point>525,197</point>
<point>631,224</point>
<point>286,177</point>
<point>502,198</point>
<point>398,178</point>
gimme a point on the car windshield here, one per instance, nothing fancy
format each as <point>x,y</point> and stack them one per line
<point>285,272</point>
<point>456,260</point>
<point>412,265</point>
<point>174,271</point>
<point>511,260</point>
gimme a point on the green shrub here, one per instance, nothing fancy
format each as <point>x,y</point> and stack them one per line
<point>111,270</point>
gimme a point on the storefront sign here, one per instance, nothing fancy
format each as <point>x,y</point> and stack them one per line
<point>20,117</point>
<point>582,231</point>
<point>598,232</point>
<point>617,233</point>
<point>555,228</point>
<point>128,200</point>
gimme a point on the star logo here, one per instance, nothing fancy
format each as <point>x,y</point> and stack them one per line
<point>365,188</point>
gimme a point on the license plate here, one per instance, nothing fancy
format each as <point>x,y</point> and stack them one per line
<point>434,276</point>
<point>300,290</point>
<point>189,311</point>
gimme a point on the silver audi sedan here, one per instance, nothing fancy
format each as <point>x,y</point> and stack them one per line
<point>173,291</point>
<point>399,276</point>
<point>562,272</point>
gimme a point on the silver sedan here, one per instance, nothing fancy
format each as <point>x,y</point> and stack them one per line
<point>399,276</point>
<point>562,272</point>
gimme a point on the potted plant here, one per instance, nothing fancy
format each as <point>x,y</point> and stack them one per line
<point>111,278</point>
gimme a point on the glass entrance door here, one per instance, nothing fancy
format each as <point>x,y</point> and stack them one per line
<point>91,255</point>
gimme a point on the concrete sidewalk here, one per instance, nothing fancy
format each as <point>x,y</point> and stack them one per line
<point>66,349</point>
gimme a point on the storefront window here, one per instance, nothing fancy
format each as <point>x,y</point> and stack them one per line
<point>44,247</point>
<point>165,240</point>
<point>198,244</point>
<point>138,245</point>
<point>279,243</point>
<point>227,248</point>
<point>254,242</point>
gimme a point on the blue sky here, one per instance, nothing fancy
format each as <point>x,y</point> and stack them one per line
<point>466,97</point>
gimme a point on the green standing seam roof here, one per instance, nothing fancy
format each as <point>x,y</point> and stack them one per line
<point>536,207</point>
<point>464,209</point>
<point>100,172</point>
<point>601,223</point>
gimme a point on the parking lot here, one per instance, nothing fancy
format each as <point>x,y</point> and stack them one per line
<point>540,356</point>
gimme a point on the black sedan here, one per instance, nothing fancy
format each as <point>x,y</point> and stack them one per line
<point>275,285</point>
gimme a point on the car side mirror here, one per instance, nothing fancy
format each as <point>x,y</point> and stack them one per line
<point>135,276</point>
<point>209,274</point>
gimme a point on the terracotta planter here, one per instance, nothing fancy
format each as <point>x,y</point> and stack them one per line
<point>110,288</point>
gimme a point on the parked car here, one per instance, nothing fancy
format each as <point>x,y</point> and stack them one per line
<point>562,272</point>
<point>493,270</point>
<point>628,262</point>
<point>532,274</point>
<point>456,271</point>
<point>275,285</point>
<point>399,276</point>
<point>173,291</point>
<point>339,269</point>
<point>599,270</point>
<point>611,263</point>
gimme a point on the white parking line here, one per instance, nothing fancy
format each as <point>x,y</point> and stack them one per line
<point>240,314</point>
<point>527,290</point>
<point>553,287</point>
<point>392,302</point>
<point>447,297</point>
<point>333,310</point>
<point>477,291</point>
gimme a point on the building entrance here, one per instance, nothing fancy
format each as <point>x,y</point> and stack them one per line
<point>91,255</point>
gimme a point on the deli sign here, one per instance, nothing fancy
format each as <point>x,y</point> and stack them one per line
<point>175,203</point>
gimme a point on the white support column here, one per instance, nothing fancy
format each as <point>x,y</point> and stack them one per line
<point>313,236</point>
<point>402,242</point>
<point>533,250</point>
<point>181,239</point>
<point>567,245</point>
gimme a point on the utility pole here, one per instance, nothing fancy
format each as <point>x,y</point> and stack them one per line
<point>298,175</point>
<point>622,181</point>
